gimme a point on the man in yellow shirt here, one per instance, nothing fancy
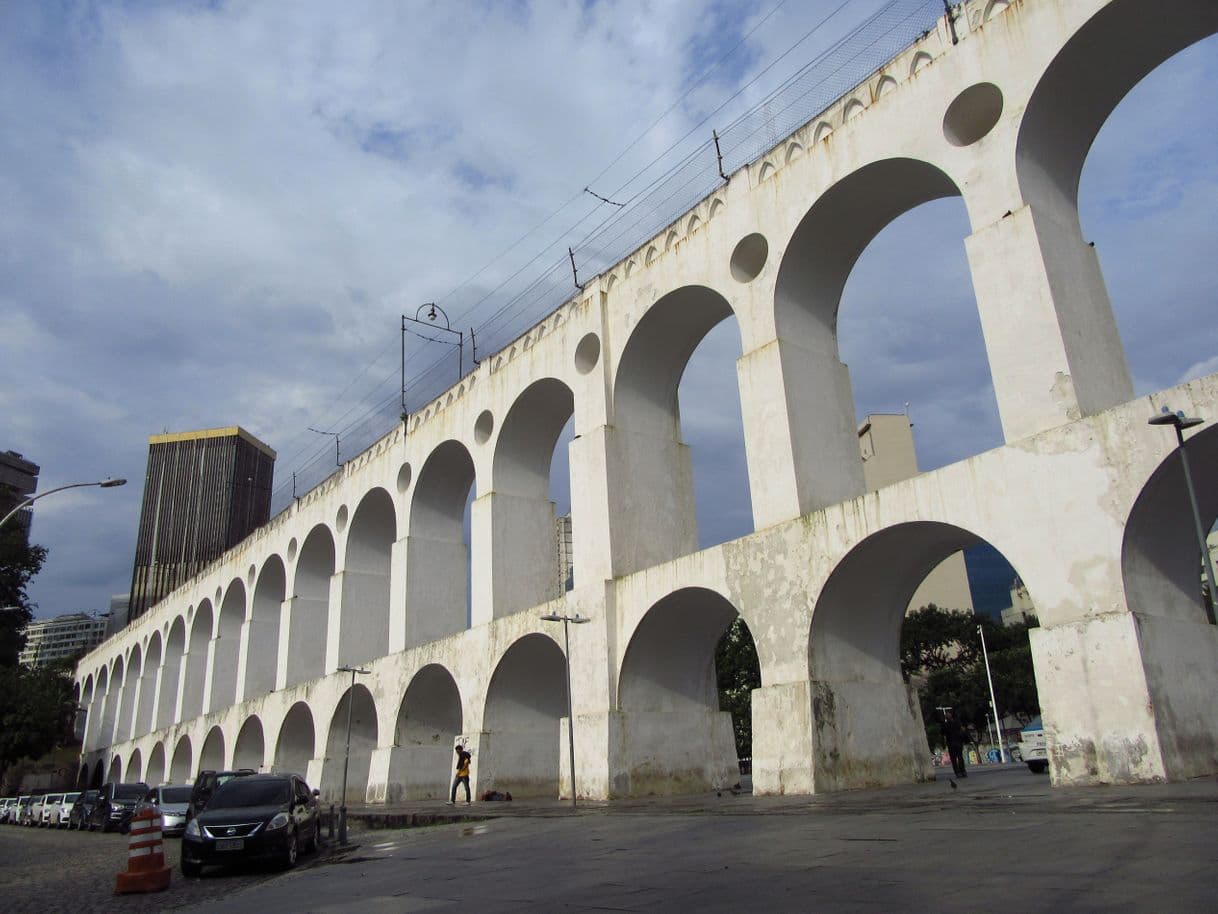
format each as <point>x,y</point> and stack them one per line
<point>463,759</point>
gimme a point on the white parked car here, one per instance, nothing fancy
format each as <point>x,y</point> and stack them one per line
<point>33,812</point>
<point>50,809</point>
<point>7,805</point>
<point>63,811</point>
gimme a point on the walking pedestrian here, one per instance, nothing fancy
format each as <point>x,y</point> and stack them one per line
<point>954,734</point>
<point>462,778</point>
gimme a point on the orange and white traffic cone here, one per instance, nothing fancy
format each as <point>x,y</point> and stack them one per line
<point>146,870</point>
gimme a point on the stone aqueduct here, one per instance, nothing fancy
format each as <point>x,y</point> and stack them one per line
<point>238,667</point>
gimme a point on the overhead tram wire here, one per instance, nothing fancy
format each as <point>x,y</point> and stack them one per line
<point>544,293</point>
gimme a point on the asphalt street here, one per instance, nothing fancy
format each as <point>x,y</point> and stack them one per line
<point>1002,840</point>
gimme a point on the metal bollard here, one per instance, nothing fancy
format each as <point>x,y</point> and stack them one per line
<point>330,834</point>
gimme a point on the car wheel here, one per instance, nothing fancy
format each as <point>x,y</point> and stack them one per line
<point>290,852</point>
<point>191,868</point>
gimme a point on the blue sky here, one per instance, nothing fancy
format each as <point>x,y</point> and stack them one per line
<point>213,214</point>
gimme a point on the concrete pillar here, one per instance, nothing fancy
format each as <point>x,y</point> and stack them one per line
<point>1128,698</point>
<point>435,588</point>
<point>397,597</point>
<point>632,502</point>
<point>377,790</point>
<point>782,739</point>
<point>523,566</point>
<point>283,647</point>
<point>1054,351</point>
<point>333,624</point>
<point>799,431</point>
<point>209,673</point>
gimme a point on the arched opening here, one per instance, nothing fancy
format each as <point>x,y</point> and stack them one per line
<point>262,653</point>
<point>135,768</point>
<point>525,704</point>
<point>181,769</point>
<point>1110,54</point>
<point>897,345</point>
<point>1158,266</point>
<point>175,645</point>
<point>127,698</point>
<point>362,711</point>
<point>871,727</point>
<point>676,738</point>
<point>429,722</point>
<point>437,557</point>
<point>97,735</point>
<point>364,627</point>
<point>156,766</point>
<point>82,778</point>
<point>195,680</point>
<point>99,775</point>
<point>1160,555</point>
<point>297,743</point>
<point>526,566</point>
<point>661,519</point>
<point>227,651</point>
<point>309,618</point>
<point>250,748</point>
<point>114,691</point>
<point>85,721</point>
<point>116,770</point>
<point>812,279</point>
<point>211,756</point>
<point>144,722</point>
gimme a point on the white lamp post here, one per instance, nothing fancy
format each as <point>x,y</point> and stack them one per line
<point>105,484</point>
<point>1002,745</point>
<point>567,622</point>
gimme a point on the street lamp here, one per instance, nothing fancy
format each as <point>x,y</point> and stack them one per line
<point>1180,422</point>
<point>342,810</point>
<point>105,484</point>
<point>1002,746</point>
<point>567,622</point>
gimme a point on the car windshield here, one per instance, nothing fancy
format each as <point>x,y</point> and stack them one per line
<point>249,792</point>
<point>175,794</point>
<point>129,791</point>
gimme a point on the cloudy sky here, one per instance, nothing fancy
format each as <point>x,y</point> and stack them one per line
<point>213,214</point>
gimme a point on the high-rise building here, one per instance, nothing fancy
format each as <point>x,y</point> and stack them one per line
<point>61,638</point>
<point>204,492</point>
<point>18,480</point>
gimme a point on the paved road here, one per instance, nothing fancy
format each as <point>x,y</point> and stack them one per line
<point>1002,841</point>
<point>43,870</point>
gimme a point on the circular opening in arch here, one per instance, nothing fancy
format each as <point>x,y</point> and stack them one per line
<point>292,547</point>
<point>973,114</point>
<point>219,594</point>
<point>484,426</point>
<point>404,476</point>
<point>749,257</point>
<point>587,353</point>
<point>251,575</point>
<point>341,520</point>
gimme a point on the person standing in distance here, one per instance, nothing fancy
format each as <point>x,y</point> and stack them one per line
<point>463,758</point>
<point>955,736</point>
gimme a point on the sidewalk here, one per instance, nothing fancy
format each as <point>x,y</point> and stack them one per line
<point>990,787</point>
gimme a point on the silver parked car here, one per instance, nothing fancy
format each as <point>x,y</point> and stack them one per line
<point>172,802</point>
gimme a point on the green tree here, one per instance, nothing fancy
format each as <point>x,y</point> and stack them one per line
<point>738,673</point>
<point>36,712</point>
<point>19,562</point>
<point>941,652</point>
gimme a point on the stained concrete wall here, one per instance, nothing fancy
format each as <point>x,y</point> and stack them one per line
<point>824,581</point>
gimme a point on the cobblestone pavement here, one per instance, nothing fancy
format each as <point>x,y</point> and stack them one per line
<point>43,870</point>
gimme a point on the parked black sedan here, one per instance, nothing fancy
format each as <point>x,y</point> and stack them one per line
<point>261,816</point>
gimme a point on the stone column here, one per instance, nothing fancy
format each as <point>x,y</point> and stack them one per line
<point>523,561</point>
<point>799,431</point>
<point>1054,351</point>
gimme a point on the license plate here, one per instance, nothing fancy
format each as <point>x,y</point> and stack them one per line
<point>230,844</point>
